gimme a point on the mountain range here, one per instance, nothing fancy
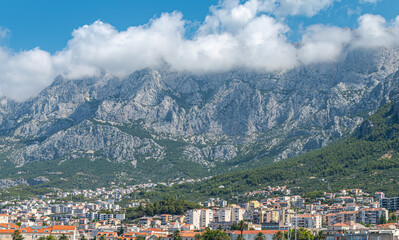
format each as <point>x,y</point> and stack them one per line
<point>158,124</point>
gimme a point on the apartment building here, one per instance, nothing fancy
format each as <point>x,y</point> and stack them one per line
<point>307,221</point>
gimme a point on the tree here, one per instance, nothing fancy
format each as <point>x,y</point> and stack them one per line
<point>197,237</point>
<point>234,226</point>
<point>241,226</point>
<point>209,234</point>
<point>278,236</point>
<point>63,237</point>
<point>301,234</point>
<point>320,235</point>
<point>17,235</point>
<point>260,236</point>
<point>102,237</point>
<point>50,237</point>
<point>42,238</point>
<point>140,238</point>
<point>392,217</point>
<point>121,231</point>
<point>82,237</point>
<point>176,235</point>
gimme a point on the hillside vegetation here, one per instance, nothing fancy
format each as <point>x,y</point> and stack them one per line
<point>368,159</point>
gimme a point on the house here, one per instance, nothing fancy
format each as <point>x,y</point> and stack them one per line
<point>107,235</point>
<point>165,218</point>
<point>5,218</point>
<point>8,226</point>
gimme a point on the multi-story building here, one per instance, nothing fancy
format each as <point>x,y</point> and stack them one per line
<point>237,214</point>
<point>372,215</point>
<point>206,217</point>
<point>194,218</point>
<point>224,215</point>
<point>390,203</point>
<point>379,195</point>
<point>165,218</point>
<point>307,221</point>
<point>200,217</point>
<point>331,219</point>
<point>346,217</point>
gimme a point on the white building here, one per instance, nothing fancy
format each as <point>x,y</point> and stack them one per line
<point>307,221</point>
<point>194,218</point>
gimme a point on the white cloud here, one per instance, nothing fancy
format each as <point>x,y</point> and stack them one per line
<point>369,1</point>
<point>307,8</point>
<point>323,44</point>
<point>25,73</point>
<point>374,32</point>
<point>233,35</point>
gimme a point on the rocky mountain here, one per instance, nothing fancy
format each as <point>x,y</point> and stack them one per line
<point>157,124</point>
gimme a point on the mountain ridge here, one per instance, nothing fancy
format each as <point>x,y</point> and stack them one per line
<point>160,124</point>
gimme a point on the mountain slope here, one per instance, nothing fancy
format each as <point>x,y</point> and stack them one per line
<point>368,159</point>
<point>159,125</point>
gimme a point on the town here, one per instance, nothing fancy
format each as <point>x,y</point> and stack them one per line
<point>105,214</point>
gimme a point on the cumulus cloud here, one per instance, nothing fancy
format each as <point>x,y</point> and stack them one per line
<point>323,44</point>
<point>233,35</point>
<point>374,32</point>
<point>25,73</point>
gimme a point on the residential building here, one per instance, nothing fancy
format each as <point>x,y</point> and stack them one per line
<point>390,203</point>
<point>372,215</point>
<point>307,221</point>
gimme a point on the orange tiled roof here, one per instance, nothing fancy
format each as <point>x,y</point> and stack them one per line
<point>63,228</point>
<point>8,225</point>
<point>269,232</point>
<point>107,234</point>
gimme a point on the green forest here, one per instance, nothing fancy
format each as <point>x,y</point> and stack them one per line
<point>368,159</point>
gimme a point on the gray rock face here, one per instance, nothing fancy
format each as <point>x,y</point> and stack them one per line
<point>208,155</point>
<point>8,183</point>
<point>88,139</point>
<point>220,117</point>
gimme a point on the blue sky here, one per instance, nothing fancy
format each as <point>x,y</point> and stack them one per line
<point>48,24</point>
